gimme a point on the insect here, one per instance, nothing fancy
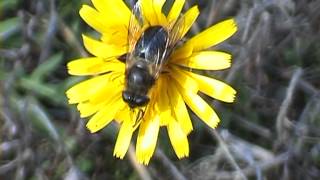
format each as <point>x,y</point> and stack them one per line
<point>147,56</point>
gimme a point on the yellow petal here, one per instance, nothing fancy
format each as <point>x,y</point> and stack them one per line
<point>124,138</point>
<point>93,18</point>
<point>117,36</point>
<point>179,108</point>
<point>200,107</point>
<point>88,108</point>
<point>100,49</point>
<point>214,88</point>
<point>152,11</point>
<point>162,102</point>
<point>123,115</point>
<point>114,8</point>
<point>183,79</point>
<point>213,35</point>
<point>178,138</point>
<point>127,113</point>
<point>182,52</point>
<point>94,65</point>
<point>207,60</point>
<point>157,5</point>
<point>84,90</point>
<point>99,99</point>
<point>105,116</point>
<point>147,139</point>
<point>188,19</point>
<point>175,10</point>
<point>107,93</point>
<point>114,30</point>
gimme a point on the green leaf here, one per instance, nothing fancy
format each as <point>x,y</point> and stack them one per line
<point>40,119</point>
<point>47,67</point>
<point>35,114</point>
<point>48,91</point>
<point>8,27</point>
<point>37,87</point>
<point>8,4</point>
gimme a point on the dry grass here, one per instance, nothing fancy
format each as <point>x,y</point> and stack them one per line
<point>270,132</point>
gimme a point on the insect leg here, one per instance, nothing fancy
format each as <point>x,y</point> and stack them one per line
<point>123,58</point>
<point>138,119</point>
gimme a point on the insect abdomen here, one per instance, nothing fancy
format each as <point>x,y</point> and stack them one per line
<point>152,44</point>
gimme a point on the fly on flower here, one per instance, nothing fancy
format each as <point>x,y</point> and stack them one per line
<point>147,55</point>
<point>154,77</point>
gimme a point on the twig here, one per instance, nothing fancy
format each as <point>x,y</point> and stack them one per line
<point>224,147</point>
<point>247,26</point>
<point>257,129</point>
<point>280,122</point>
<point>14,54</point>
<point>167,164</point>
<point>9,166</point>
<point>212,13</point>
<point>309,112</point>
<point>13,163</point>
<point>71,39</point>
<point>251,170</point>
<point>51,31</point>
<point>142,171</point>
<point>8,147</point>
<point>205,166</point>
<point>242,147</point>
<point>308,88</point>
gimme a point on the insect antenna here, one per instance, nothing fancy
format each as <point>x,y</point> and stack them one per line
<point>139,118</point>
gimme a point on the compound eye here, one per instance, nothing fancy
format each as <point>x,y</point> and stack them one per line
<point>141,100</point>
<point>126,96</point>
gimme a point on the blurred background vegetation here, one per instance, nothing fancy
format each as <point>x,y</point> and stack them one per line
<point>270,132</point>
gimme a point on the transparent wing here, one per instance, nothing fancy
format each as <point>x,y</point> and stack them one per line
<point>175,31</point>
<point>151,45</point>
<point>135,25</point>
<point>134,32</point>
<point>158,51</point>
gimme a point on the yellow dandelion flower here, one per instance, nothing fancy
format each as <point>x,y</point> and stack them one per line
<point>141,75</point>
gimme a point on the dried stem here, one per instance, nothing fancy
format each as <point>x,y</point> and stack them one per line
<point>232,161</point>
<point>141,170</point>
<point>281,118</point>
<point>168,165</point>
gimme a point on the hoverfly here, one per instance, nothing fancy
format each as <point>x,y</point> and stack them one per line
<point>149,49</point>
